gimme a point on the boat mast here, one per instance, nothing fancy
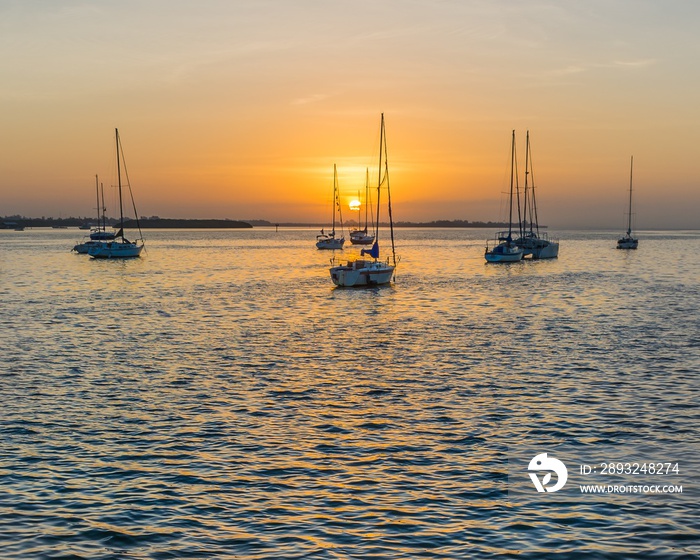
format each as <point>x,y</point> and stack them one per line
<point>533,199</point>
<point>526,207</point>
<point>97,196</point>
<point>510,201</point>
<point>629,215</point>
<point>388,192</point>
<point>104,208</point>
<point>379,180</point>
<point>335,195</point>
<point>119,183</point>
<point>366,198</point>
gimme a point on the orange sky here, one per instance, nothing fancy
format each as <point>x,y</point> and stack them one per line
<point>239,109</point>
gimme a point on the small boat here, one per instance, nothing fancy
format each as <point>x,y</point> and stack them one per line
<point>100,233</point>
<point>329,240</point>
<point>361,236</point>
<point>365,272</point>
<point>627,241</point>
<point>120,247</point>
<point>505,249</point>
<point>535,243</point>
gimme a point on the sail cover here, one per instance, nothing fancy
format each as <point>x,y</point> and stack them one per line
<point>373,252</point>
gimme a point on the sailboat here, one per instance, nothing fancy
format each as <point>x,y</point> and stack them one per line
<point>329,240</point>
<point>627,241</point>
<point>98,234</point>
<point>366,272</point>
<point>119,247</point>
<point>505,249</point>
<point>361,236</point>
<point>534,243</point>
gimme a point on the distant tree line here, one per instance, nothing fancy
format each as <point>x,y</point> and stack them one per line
<point>22,221</point>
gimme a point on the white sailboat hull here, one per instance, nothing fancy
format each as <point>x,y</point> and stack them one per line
<point>84,248</point>
<point>115,250</point>
<point>538,247</point>
<point>362,273</point>
<point>331,243</point>
<point>505,251</point>
<point>361,238</point>
<point>498,257</point>
<point>549,250</point>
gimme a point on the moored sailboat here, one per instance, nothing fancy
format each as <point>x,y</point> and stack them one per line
<point>366,272</point>
<point>535,243</point>
<point>98,234</point>
<point>362,236</point>
<point>329,240</point>
<point>627,241</point>
<point>505,249</point>
<point>120,247</point>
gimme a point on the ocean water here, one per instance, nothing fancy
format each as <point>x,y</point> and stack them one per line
<point>219,398</point>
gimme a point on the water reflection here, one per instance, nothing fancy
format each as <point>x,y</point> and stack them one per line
<point>219,397</point>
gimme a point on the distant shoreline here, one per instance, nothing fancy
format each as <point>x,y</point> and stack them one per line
<point>11,222</point>
<point>172,223</point>
<point>433,224</point>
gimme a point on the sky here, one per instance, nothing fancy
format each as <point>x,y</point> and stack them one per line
<point>240,108</point>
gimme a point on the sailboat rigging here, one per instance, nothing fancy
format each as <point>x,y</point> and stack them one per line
<point>505,249</point>
<point>362,236</point>
<point>534,243</point>
<point>627,241</point>
<point>365,272</point>
<point>97,234</point>
<point>329,240</point>
<point>121,248</point>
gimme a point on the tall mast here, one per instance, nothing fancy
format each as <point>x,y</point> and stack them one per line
<point>526,207</point>
<point>388,192</point>
<point>119,183</point>
<point>366,198</point>
<point>379,180</point>
<point>97,195</point>
<point>337,202</point>
<point>335,194</point>
<point>104,208</point>
<point>512,174</point>
<point>629,215</point>
<point>531,204</point>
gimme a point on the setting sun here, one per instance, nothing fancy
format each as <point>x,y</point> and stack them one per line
<point>354,204</point>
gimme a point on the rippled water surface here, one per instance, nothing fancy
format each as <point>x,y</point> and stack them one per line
<point>218,398</point>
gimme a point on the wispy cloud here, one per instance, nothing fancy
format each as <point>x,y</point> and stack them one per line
<point>633,63</point>
<point>313,98</point>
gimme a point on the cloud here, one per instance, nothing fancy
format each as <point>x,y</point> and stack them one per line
<point>313,98</point>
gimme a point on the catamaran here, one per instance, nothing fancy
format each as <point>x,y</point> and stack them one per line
<point>366,272</point>
<point>120,247</point>
<point>534,243</point>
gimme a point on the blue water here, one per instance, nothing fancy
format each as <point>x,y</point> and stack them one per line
<point>218,398</point>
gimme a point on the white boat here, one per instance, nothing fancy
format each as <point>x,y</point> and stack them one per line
<point>505,249</point>
<point>365,272</point>
<point>329,240</point>
<point>627,241</point>
<point>120,247</point>
<point>535,243</point>
<point>361,236</point>
<point>98,234</point>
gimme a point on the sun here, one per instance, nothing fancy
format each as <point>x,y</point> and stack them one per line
<point>354,204</point>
